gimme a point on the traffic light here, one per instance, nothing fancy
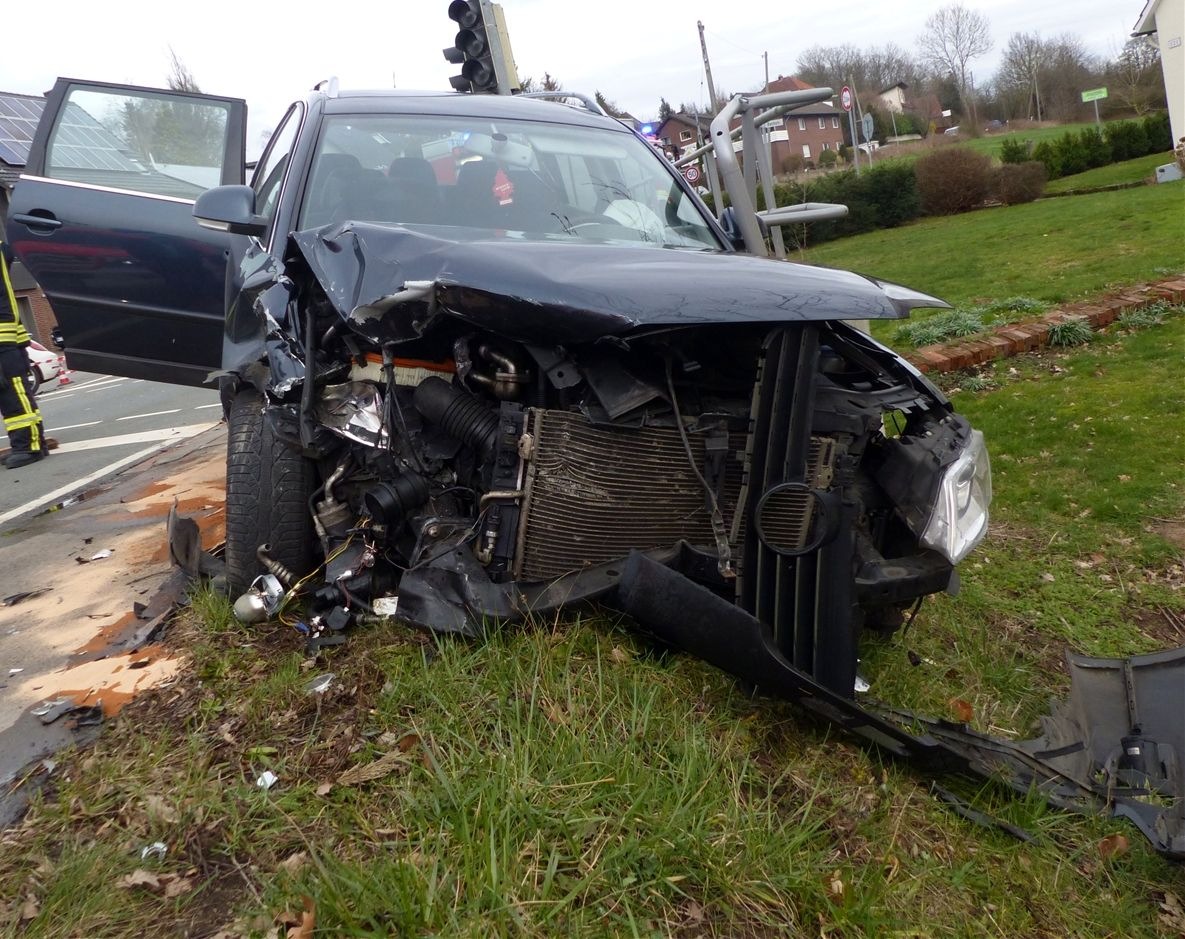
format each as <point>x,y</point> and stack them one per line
<point>482,49</point>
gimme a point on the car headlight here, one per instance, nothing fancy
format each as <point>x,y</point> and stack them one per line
<point>959,519</point>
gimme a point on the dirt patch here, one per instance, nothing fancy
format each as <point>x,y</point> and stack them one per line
<point>1171,530</point>
<point>1165,627</point>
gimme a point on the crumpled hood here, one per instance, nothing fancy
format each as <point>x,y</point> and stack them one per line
<point>561,291</point>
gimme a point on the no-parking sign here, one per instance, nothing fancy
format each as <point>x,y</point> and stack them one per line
<point>845,98</point>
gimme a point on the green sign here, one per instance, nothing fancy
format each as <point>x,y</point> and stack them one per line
<point>1094,94</point>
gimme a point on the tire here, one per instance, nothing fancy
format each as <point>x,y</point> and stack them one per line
<point>268,485</point>
<point>33,379</point>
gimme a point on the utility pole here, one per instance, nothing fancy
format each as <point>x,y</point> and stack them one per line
<point>703,44</point>
<point>765,55</point>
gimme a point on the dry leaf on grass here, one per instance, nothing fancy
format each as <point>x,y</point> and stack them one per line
<point>1114,846</point>
<point>300,926</point>
<point>169,885</point>
<point>324,789</point>
<point>294,862</point>
<point>159,810</point>
<point>619,655</point>
<point>961,709</point>
<point>1172,913</point>
<point>30,908</point>
<point>368,772</point>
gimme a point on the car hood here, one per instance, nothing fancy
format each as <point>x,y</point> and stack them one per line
<point>540,290</point>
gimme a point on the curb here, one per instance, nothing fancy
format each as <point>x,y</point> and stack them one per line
<point>1017,338</point>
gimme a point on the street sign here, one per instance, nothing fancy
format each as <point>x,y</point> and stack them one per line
<point>1094,94</point>
<point>692,174</point>
<point>845,98</point>
<point>866,126</point>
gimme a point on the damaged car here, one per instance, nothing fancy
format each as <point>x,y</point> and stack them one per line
<point>478,351</point>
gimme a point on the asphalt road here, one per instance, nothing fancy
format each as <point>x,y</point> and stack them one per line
<point>102,425</point>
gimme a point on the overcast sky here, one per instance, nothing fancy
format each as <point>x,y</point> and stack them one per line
<point>634,52</point>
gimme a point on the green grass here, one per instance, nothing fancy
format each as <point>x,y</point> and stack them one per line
<point>1129,171</point>
<point>1054,250</point>
<point>564,779</point>
<point>991,143</point>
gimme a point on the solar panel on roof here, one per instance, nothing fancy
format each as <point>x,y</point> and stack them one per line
<point>18,122</point>
<point>81,142</point>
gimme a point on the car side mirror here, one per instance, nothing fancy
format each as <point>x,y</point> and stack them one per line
<point>732,228</point>
<point>230,209</point>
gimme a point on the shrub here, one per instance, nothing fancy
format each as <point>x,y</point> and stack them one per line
<point>950,324</point>
<point>1128,140</point>
<point>1158,132</point>
<point>953,179</point>
<point>1013,183</point>
<point>882,196</point>
<point>792,163</point>
<point>1071,154</point>
<point>1011,309</point>
<point>1048,155</point>
<point>891,188</point>
<point>1096,147</point>
<point>1014,150</point>
<point>1070,333</point>
<point>828,158</point>
<point>845,153</point>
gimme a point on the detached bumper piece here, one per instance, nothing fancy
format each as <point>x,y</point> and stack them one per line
<point>1113,746</point>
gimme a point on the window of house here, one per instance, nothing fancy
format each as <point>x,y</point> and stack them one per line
<point>802,123</point>
<point>822,123</point>
<point>835,121</point>
<point>684,135</point>
<point>806,151</point>
<point>826,146</point>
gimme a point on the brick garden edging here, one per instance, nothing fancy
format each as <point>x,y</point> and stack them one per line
<point>1016,338</point>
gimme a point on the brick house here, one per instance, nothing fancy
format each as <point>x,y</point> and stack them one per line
<point>19,115</point>
<point>677,134</point>
<point>804,132</point>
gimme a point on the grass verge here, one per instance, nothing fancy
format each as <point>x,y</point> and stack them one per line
<point>566,779</point>
<point>1129,171</point>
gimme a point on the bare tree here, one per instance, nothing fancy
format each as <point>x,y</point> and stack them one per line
<point>547,83</point>
<point>955,36</point>
<point>180,77</point>
<point>1021,67</point>
<point>1136,75</point>
<point>873,69</point>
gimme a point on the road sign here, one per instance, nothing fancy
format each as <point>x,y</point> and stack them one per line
<point>692,174</point>
<point>845,98</point>
<point>1094,94</point>
<point>866,126</point>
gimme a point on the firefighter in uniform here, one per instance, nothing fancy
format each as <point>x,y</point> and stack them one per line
<point>22,420</point>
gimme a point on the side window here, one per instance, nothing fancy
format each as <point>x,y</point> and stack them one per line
<point>164,144</point>
<point>269,174</point>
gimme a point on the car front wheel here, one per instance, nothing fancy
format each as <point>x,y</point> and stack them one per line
<point>268,485</point>
<point>33,380</point>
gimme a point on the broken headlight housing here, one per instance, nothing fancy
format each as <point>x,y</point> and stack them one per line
<point>959,519</point>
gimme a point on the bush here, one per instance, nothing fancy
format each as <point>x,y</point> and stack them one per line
<point>953,179</point>
<point>882,196</point>
<point>1096,148</point>
<point>1071,154</point>
<point>1048,156</point>
<point>792,163</point>
<point>828,158</point>
<point>1070,333</point>
<point>949,324</point>
<point>1128,140</point>
<point>1013,183</point>
<point>1158,132</point>
<point>1014,150</point>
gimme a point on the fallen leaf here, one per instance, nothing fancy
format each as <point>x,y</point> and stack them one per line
<point>294,862</point>
<point>1114,846</point>
<point>368,772</point>
<point>324,789</point>
<point>1048,578</point>
<point>175,886</point>
<point>159,810</point>
<point>30,908</point>
<point>961,709</point>
<point>139,878</point>
<point>308,921</point>
<point>835,886</point>
<point>618,654</point>
<point>407,741</point>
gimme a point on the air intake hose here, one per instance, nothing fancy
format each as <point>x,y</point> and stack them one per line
<point>458,414</point>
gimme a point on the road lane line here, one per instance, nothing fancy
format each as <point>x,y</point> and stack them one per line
<point>162,437</point>
<point>202,407</point>
<point>78,485</point>
<point>132,417</point>
<point>54,430</point>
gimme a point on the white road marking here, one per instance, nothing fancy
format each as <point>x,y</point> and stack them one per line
<point>132,417</point>
<point>78,484</point>
<point>162,437</point>
<point>202,407</point>
<point>54,430</point>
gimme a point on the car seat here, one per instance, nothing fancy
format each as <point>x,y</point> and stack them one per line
<point>415,182</point>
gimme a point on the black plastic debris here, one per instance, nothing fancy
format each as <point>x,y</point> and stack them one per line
<point>49,711</point>
<point>15,598</point>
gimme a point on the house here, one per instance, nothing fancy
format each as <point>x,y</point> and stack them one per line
<point>19,115</point>
<point>1166,18</point>
<point>678,135</point>
<point>805,132</point>
<point>892,99</point>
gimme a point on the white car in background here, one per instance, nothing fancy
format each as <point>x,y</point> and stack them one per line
<point>43,365</point>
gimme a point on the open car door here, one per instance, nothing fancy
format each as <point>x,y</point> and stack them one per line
<point>103,218</point>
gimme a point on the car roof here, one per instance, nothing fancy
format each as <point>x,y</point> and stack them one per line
<point>506,107</point>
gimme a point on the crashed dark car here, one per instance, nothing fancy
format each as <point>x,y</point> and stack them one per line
<point>484,357</point>
<point>478,350</point>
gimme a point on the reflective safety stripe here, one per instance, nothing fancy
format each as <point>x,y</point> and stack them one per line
<point>21,422</point>
<point>11,331</point>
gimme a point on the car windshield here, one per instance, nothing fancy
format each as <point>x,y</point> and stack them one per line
<point>507,178</point>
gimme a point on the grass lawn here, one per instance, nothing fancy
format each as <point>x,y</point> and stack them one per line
<point>1053,250</point>
<point>991,143</point>
<point>565,779</point>
<point>1129,171</point>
